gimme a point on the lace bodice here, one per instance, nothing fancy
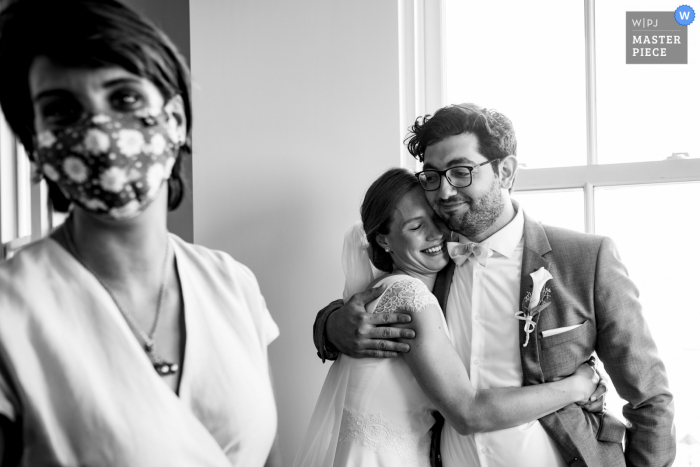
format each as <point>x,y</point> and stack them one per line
<point>405,293</point>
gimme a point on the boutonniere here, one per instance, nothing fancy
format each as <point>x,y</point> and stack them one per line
<point>535,301</point>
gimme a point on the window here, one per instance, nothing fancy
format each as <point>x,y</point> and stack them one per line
<point>507,64</point>
<point>607,147</point>
<point>25,214</point>
<point>643,110</point>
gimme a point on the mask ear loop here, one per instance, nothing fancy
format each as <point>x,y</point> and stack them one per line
<point>37,174</point>
<point>36,168</point>
<point>173,123</point>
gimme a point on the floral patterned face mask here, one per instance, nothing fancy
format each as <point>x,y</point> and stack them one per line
<point>112,165</point>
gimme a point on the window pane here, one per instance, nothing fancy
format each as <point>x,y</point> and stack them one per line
<point>656,229</point>
<point>512,57</point>
<point>563,208</point>
<point>646,112</point>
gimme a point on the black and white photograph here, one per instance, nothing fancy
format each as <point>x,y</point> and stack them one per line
<point>349,233</point>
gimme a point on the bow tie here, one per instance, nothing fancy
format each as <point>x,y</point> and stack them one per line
<point>460,252</point>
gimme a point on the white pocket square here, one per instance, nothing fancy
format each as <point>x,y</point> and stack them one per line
<point>554,332</point>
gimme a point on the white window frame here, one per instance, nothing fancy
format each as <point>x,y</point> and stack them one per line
<point>25,212</point>
<point>421,43</point>
<point>421,64</point>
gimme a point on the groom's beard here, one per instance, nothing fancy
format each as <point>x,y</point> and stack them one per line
<point>481,215</point>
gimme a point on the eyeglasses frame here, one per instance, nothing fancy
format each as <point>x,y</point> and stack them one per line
<point>443,173</point>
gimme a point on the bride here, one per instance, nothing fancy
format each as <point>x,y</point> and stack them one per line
<point>378,412</point>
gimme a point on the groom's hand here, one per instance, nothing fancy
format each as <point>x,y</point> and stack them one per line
<point>359,334</point>
<point>597,403</point>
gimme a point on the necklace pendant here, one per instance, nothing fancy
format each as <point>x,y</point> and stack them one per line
<point>148,347</point>
<point>166,368</point>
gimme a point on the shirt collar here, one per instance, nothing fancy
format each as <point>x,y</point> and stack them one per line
<point>506,240</point>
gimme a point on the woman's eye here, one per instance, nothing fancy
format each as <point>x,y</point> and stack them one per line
<point>127,100</point>
<point>415,227</point>
<point>60,112</point>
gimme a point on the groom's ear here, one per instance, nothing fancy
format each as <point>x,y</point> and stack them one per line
<point>507,169</point>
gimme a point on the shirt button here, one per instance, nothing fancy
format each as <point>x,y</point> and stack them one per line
<point>483,450</point>
<point>476,362</point>
<point>477,317</point>
<point>477,273</point>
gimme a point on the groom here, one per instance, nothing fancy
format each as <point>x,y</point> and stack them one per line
<point>589,304</point>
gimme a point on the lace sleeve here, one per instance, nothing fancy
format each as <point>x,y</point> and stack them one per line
<point>406,293</point>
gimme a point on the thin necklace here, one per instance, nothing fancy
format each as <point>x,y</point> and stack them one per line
<point>162,366</point>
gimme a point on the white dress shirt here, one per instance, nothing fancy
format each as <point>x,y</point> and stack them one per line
<point>480,312</point>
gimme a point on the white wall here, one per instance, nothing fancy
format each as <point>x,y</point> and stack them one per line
<point>296,112</point>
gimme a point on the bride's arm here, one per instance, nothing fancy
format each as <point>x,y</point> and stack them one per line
<point>444,379</point>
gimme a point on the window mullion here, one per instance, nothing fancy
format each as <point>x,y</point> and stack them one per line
<point>8,185</point>
<point>23,184</point>
<point>589,204</point>
<point>591,108</point>
<point>421,43</point>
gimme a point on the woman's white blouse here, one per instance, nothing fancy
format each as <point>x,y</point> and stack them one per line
<point>85,393</point>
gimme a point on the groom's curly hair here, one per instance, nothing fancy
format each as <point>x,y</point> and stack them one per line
<point>493,130</point>
<point>378,209</point>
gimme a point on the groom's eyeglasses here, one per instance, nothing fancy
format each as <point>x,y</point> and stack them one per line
<point>459,176</point>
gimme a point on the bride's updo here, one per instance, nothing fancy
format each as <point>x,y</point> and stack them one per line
<point>378,208</point>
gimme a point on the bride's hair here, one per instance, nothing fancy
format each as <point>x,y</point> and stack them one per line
<point>378,208</point>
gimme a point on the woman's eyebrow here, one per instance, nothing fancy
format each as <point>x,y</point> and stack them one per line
<point>121,80</point>
<point>107,84</point>
<point>51,93</point>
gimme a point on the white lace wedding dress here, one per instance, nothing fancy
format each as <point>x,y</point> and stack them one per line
<point>372,412</point>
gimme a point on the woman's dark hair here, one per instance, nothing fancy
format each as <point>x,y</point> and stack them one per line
<point>378,209</point>
<point>493,130</point>
<point>93,34</point>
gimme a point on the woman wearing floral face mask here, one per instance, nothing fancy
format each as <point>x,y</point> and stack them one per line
<point>120,344</point>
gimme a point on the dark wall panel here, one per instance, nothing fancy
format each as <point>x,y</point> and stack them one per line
<point>173,17</point>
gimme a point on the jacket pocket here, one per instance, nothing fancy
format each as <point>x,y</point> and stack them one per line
<point>562,353</point>
<point>561,338</point>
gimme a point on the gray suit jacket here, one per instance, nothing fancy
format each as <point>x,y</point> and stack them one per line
<point>590,286</point>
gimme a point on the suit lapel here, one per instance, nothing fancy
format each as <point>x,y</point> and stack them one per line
<point>536,246</point>
<point>443,282</point>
